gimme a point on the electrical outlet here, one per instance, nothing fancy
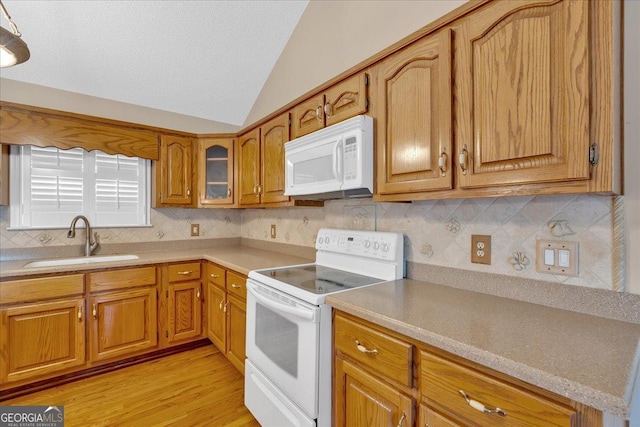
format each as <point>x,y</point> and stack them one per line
<point>556,257</point>
<point>273,231</point>
<point>480,249</point>
<point>195,230</point>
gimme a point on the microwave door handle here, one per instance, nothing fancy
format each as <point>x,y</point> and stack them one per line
<point>268,302</point>
<point>337,160</point>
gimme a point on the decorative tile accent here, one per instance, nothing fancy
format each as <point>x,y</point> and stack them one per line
<point>453,225</point>
<point>427,250</point>
<point>45,238</point>
<point>519,261</point>
<point>559,228</point>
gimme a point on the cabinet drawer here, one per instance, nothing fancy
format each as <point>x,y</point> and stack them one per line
<point>443,381</point>
<point>237,284</point>
<point>120,279</point>
<point>380,352</point>
<point>41,288</point>
<point>216,275</point>
<point>184,271</point>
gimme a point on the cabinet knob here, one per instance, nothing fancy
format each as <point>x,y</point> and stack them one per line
<point>480,407</point>
<point>442,162</point>
<point>255,189</point>
<point>94,311</point>
<point>188,192</point>
<point>363,349</point>
<point>220,305</point>
<point>198,294</point>
<point>225,306</point>
<point>80,313</point>
<point>463,160</point>
<point>228,192</point>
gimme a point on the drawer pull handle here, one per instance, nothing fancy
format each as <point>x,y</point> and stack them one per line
<point>80,313</point>
<point>94,312</point>
<point>480,407</point>
<point>215,276</point>
<point>220,305</point>
<point>463,158</point>
<point>234,286</point>
<point>225,306</point>
<point>198,294</point>
<point>185,273</point>
<point>402,418</point>
<point>363,349</point>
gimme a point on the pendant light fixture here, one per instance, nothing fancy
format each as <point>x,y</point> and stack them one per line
<point>13,50</point>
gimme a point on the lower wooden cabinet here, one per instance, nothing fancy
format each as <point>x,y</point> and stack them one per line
<point>362,400</point>
<point>123,323</point>
<point>227,312</point>
<point>41,339</point>
<point>444,390</point>
<point>183,302</point>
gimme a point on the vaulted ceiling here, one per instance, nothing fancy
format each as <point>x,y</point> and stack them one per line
<point>206,59</point>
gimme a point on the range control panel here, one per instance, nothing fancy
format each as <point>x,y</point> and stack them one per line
<point>370,244</point>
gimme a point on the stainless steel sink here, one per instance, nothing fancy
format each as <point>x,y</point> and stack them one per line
<point>79,260</point>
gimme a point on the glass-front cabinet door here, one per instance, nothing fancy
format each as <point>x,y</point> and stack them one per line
<point>216,171</point>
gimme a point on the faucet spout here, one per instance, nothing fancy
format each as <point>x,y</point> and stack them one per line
<point>89,246</point>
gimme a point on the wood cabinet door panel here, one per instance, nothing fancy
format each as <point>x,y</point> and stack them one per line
<point>217,317</point>
<point>176,155</point>
<point>236,331</point>
<point>249,167</point>
<point>41,339</point>
<point>367,401</point>
<point>415,122</point>
<point>216,171</point>
<point>523,89</point>
<point>346,99</point>
<point>123,323</point>
<point>274,135</point>
<point>184,315</point>
<point>307,117</point>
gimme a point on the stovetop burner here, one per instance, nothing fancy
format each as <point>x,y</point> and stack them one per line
<point>319,279</point>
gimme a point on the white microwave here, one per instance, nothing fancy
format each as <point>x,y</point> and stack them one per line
<point>333,162</point>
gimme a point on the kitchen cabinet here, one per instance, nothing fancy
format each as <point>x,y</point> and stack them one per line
<point>532,89</point>
<point>414,146</point>
<point>4,174</point>
<point>123,306</point>
<point>216,170</point>
<point>382,376</point>
<point>184,302</point>
<point>261,164</point>
<point>51,313</point>
<point>341,101</point>
<point>227,312</point>
<point>522,85</point>
<point>173,174</point>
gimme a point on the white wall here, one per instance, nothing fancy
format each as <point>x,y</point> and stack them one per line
<point>632,143</point>
<point>333,36</point>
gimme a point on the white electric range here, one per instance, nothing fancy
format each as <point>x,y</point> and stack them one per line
<point>288,367</point>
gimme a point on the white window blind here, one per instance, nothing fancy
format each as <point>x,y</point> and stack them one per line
<point>50,186</point>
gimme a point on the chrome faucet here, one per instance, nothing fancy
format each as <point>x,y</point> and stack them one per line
<point>88,246</point>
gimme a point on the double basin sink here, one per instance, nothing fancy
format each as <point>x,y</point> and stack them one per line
<point>79,260</point>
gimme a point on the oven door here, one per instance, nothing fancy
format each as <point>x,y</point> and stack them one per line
<point>282,342</point>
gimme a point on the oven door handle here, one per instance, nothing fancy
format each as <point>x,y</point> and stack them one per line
<point>302,312</point>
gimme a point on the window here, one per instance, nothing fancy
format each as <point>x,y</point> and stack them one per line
<point>49,187</point>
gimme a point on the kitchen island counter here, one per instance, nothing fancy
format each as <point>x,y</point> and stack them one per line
<point>589,359</point>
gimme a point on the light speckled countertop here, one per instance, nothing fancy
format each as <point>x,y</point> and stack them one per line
<point>589,359</point>
<point>237,257</point>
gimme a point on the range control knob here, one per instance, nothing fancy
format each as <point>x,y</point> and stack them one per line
<point>376,246</point>
<point>385,247</point>
<point>320,240</point>
<point>367,243</point>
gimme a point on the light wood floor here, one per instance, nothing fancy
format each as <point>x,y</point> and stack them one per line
<point>194,388</point>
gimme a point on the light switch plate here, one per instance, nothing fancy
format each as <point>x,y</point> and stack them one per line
<point>195,230</point>
<point>556,257</point>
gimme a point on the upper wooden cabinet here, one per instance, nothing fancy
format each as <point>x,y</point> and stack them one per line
<point>216,172</point>
<point>174,172</point>
<point>261,163</point>
<point>522,85</point>
<point>341,101</point>
<point>413,93</point>
<point>528,106</point>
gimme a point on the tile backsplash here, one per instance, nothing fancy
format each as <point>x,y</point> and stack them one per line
<point>439,232</point>
<point>436,232</point>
